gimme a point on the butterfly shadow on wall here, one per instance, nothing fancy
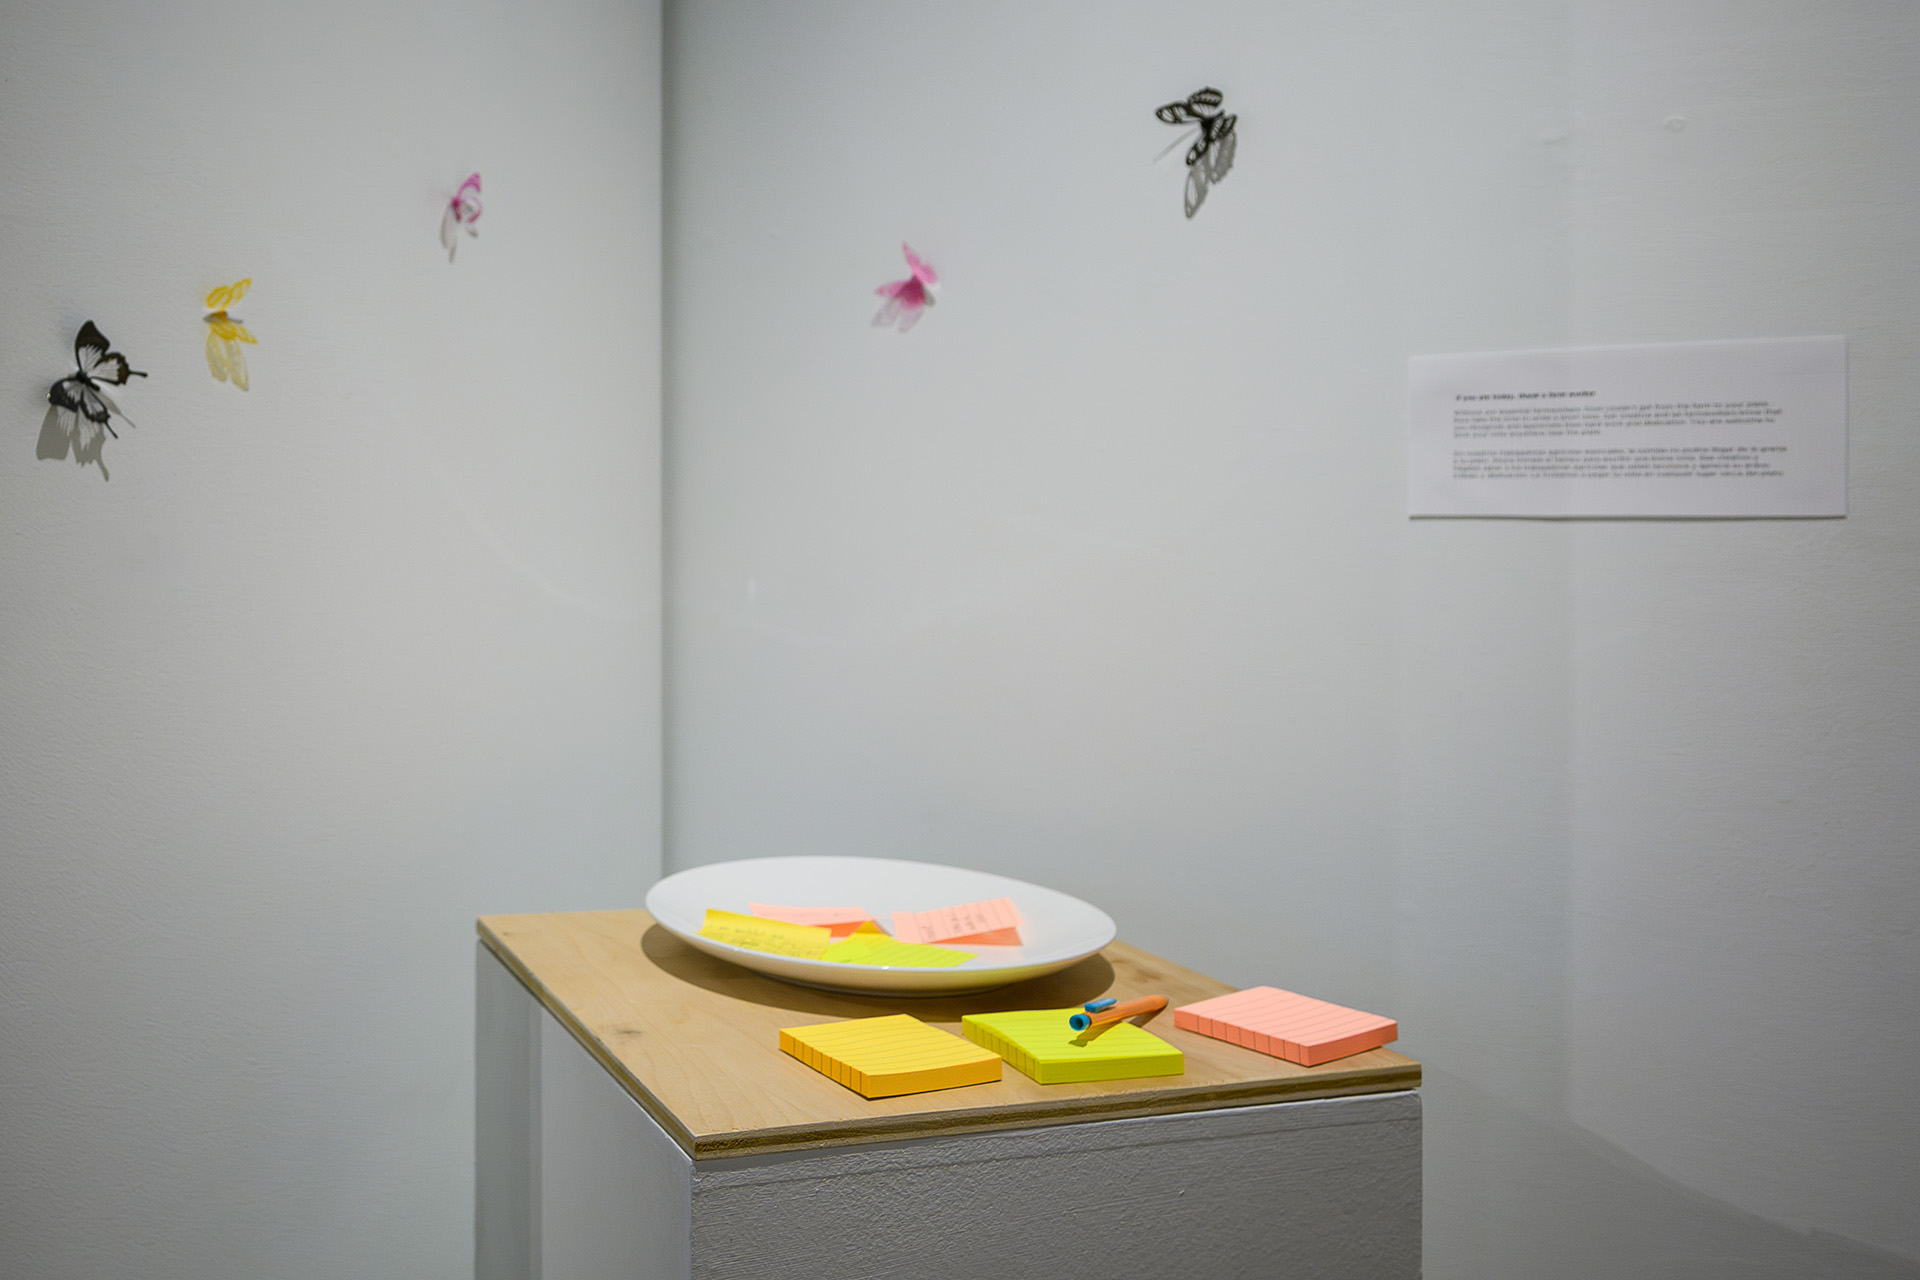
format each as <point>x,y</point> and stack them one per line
<point>1207,170</point>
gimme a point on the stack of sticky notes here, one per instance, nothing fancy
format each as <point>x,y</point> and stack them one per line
<point>884,1057</point>
<point>849,935</point>
<point>992,923</point>
<point>1040,1043</point>
<point>1287,1025</point>
<point>839,921</point>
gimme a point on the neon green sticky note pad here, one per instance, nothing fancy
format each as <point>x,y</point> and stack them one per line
<point>1039,1043</point>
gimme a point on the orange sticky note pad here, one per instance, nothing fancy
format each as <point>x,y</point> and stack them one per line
<point>1286,1024</point>
<point>840,921</point>
<point>992,923</point>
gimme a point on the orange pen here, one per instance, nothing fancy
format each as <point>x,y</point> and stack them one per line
<point>1118,1012</point>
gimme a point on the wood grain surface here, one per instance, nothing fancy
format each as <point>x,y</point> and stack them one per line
<point>695,1040</point>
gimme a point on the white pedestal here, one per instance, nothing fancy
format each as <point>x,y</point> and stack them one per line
<point>577,1182</point>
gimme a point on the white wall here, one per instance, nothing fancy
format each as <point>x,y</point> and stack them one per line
<point>1102,575</point>
<point>327,668</point>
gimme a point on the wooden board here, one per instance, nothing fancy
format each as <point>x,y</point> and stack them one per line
<point>695,1040</point>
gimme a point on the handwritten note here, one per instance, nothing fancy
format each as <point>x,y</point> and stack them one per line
<point>992,923</point>
<point>878,948</point>
<point>805,942</point>
<point>840,921</point>
<point>885,1057</point>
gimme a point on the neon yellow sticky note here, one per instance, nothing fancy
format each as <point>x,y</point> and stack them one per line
<point>1039,1043</point>
<point>885,1057</point>
<point>878,948</point>
<point>805,942</point>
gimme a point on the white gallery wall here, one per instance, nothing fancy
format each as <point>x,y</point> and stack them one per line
<point>306,677</point>
<point>1102,575</point>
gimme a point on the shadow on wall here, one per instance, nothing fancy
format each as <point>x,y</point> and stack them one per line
<point>1510,1194</point>
<point>62,432</point>
<point>1214,164</point>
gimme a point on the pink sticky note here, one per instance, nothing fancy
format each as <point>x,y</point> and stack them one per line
<point>993,923</point>
<point>1286,1024</point>
<point>840,920</point>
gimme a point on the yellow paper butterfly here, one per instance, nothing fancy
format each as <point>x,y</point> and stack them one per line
<point>225,334</point>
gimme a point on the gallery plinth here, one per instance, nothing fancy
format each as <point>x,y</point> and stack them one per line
<point>636,1117</point>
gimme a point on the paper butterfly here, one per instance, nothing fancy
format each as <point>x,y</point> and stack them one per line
<point>79,395</point>
<point>462,211</point>
<point>225,333</point>
<point>907,300</point>
<point>1203,109</point>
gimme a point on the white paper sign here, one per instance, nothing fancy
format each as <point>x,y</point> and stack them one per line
<point>1685,429</point>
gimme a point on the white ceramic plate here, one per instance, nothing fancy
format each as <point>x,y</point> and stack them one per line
<point>1057,929</point>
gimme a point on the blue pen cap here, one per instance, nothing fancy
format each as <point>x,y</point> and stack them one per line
<point>1095,1006</point>
<point>1080,1021</point>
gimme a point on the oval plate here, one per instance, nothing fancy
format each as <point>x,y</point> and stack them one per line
<point>1057,929</point>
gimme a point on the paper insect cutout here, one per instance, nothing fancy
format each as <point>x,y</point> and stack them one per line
<point>462,211</point>
<point>907,300</point>
<point>80,412</point>
<point>1211,157</point>
<point>225,333</point>
<point>80,392</point>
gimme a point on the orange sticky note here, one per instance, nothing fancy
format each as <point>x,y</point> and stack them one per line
<point>840,921</point>
<point>992,923</point>
<point>1286,1024</point>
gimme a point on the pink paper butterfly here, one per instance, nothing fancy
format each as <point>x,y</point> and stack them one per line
<point>907,300</point>
<point>462,211</point>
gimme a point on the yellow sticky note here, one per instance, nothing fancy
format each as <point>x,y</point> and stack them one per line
<point>884,1057</point>
<point>878,948</point>
<point>806,942</point>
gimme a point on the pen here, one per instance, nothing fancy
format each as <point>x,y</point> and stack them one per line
<point>1116,1012</point>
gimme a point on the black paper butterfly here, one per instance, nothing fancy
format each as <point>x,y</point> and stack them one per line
<point>80,392</point>
<point>1203,109</point>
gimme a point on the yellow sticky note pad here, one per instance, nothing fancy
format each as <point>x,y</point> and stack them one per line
<point>806,942</point>
<point>878,948</point>
<point>1039,1043</point>
<point>885,1057</point>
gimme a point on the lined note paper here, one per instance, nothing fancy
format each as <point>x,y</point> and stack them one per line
<point>840,921</point>
<point>878,948</point>
<point>1039,1043</point>
<point>885,1057</point>
<point>806,942</point>
<point>1285,1024</point>
<point>992,923</point>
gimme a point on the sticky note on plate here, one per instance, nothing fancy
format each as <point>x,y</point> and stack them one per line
<point>839,921</point>
<point>805,942</point>
<point>878,948</point>
<point>885,1057</point>
<point>1039,1043</point>
<point>1286,1024</point>
<point>992,923</point>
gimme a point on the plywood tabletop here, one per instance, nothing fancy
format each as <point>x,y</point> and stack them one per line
<point>695,1040</point>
